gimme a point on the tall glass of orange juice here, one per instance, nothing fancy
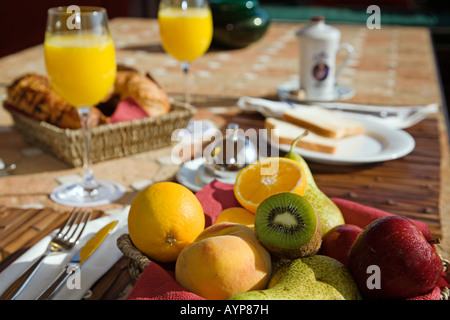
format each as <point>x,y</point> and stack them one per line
<point>186,30</point>
<point>81,66</point>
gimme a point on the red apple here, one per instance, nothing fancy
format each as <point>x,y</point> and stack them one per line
<point>336,243</point>
<point>391,259</point>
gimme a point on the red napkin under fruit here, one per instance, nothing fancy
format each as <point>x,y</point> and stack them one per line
<point>127,110</point>
<point>156,283</point>
<point>360,215</point>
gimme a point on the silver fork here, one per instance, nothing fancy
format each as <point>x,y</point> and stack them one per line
<point>65,240</point>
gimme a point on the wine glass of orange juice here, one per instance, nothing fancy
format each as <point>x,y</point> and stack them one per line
<point>81,66</point>
<point>186,30</point>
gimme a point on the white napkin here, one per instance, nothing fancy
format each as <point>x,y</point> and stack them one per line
<point>92,269</point>
<point>396,117</point>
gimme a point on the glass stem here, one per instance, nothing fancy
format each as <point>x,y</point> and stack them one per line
<point>89,182</point>
<point>185,66</point>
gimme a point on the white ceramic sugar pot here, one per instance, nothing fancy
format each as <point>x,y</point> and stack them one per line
<point>319,47</point>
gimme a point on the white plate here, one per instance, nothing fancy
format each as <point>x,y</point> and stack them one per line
<point>379,143</point>
<point>285,90</point>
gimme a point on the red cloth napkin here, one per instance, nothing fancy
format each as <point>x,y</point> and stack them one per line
<point>157,283</point>
<point>360,215</point>
<point>216,197</point>
<point>127,110</point>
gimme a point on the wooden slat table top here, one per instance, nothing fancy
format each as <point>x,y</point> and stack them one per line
<point>391,66</point>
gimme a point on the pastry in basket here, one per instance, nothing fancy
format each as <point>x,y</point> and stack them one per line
<point>144,90</point>
<point>32,95</point>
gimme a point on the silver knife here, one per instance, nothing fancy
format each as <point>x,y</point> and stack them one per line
<point>78,259</point>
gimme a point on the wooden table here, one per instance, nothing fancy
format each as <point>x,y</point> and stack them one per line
<point>391,66</point>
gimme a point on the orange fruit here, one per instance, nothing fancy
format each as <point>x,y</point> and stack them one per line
<point>237,215</point>
<point>163,219</point>
<point>266,177</point>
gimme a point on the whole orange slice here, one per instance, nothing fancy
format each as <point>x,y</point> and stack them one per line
<point>266,177</point>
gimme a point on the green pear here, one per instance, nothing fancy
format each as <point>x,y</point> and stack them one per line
<point>315,277</point>
<point>330,215</point>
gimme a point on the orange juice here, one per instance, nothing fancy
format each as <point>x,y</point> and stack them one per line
<point>81,68</point>
<point>186,33</point>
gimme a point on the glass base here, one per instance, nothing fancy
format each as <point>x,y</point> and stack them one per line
<point>74,194</point>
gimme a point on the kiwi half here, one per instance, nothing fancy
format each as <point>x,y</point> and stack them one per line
<point>288,226</point>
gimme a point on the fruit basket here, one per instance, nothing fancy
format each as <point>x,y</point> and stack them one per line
<point>109,141</point>
<point>137,261</point>
<point>213,273</point>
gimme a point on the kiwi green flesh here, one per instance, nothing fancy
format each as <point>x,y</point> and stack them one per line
<point>286,221</point>
<point>309,249</point>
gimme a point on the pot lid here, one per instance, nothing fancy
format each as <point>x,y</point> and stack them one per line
<point>318,29</point>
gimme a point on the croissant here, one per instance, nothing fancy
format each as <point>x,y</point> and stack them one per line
<point>144,90</point>
<point>33,96</point>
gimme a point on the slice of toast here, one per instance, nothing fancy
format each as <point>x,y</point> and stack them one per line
<point>287,132</point>
<point>323,122</point>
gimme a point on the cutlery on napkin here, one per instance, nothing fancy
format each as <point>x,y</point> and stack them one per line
<point>400,117</point>
<point>157,283</point>
<point>100,262</point>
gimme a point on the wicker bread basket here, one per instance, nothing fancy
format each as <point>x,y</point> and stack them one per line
<point>109,141</point>
<point>137,261</point>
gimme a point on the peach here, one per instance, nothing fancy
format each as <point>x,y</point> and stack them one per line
<point>224,260</point>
